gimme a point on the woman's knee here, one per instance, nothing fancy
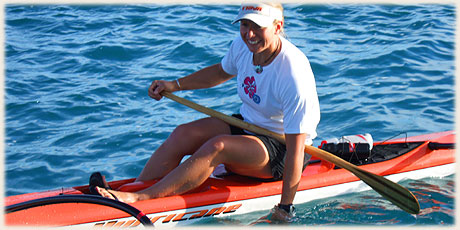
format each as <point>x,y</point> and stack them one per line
<point>217,149</point>
<point>200,130</point>
<point>218,143</point>
<point>186,132</point>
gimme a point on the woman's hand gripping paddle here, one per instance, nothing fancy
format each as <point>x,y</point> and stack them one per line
<point>393,192</point>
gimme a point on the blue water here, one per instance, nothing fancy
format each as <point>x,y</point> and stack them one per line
<point>76,83</point>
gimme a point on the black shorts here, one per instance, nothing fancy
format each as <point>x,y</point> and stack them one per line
<point>276,152</point>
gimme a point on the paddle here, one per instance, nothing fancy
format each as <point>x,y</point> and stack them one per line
<point>393,192</point>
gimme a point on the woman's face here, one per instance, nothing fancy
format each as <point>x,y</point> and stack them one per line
<point>257,38</point>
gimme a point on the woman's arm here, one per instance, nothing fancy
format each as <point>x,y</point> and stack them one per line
<point>295,145</point>
<point>204,78</point>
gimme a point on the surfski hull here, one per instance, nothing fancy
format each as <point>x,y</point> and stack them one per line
<point>234,195</point>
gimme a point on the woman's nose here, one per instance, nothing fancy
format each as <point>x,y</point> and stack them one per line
<point>251,33</point>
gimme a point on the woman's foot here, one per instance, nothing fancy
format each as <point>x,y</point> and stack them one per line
<point>126,197</point>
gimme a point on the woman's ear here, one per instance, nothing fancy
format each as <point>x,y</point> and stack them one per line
<point>278,27</point>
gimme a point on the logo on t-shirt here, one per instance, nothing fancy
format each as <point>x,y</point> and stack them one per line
<point>250,88</point>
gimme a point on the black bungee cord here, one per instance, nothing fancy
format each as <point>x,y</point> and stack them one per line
<point>90,199</point>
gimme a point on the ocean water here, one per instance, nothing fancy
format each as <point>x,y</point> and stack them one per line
<point>76,80</point>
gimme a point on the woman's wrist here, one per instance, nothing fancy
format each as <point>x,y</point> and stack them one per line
<point>289,208</point>
<point>178,85</point>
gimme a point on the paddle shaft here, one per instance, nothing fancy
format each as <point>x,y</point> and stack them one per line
<point>394,192</point>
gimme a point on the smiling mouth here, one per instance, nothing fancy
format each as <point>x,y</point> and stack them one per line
<point>253,42</point>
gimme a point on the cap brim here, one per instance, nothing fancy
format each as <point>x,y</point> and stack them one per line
<point>261,20</point>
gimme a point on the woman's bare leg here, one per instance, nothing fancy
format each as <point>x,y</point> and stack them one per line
<point>184,140</point>
<point>245,155</point>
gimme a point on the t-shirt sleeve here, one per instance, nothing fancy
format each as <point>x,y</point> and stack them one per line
<point>300,101</point>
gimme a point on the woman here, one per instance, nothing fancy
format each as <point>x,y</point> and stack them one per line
<point>277,88</point>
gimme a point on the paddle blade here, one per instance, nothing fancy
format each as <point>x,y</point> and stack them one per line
<point>396,194</point>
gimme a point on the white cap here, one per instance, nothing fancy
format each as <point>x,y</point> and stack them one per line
<point>262,14</point>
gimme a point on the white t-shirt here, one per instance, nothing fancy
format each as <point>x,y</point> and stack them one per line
<point>283,97</point>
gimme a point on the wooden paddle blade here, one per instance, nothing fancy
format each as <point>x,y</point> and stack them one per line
<point>396,194</point>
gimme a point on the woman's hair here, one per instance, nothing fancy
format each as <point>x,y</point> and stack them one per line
<point>280,7</point>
